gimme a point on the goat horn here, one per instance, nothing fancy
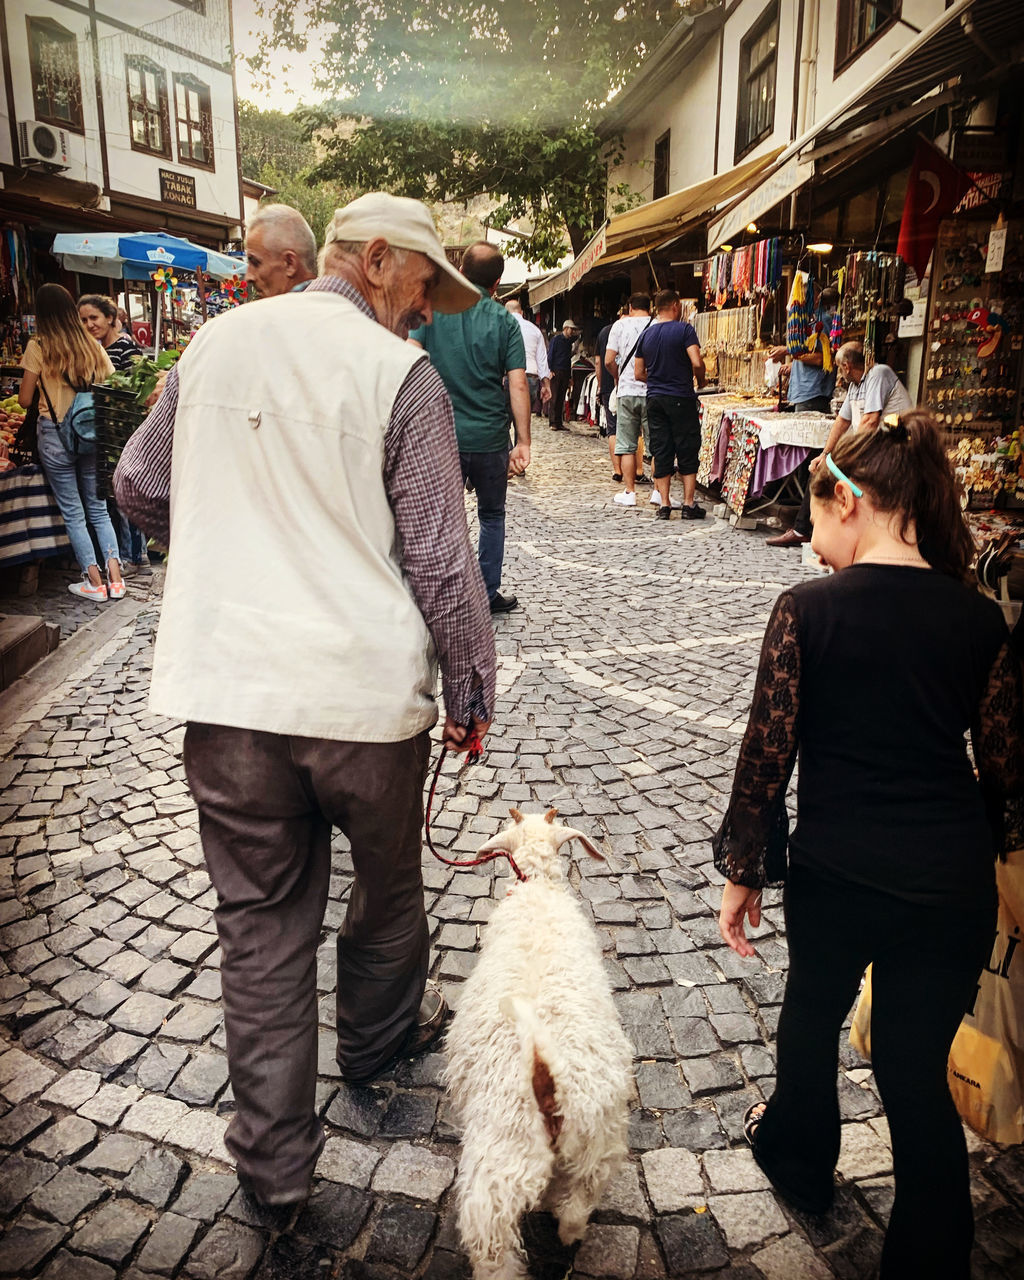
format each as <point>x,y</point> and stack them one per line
<point>516,814</point>
<point>551,815</point>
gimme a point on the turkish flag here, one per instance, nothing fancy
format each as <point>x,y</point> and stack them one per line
<point>934,189</point>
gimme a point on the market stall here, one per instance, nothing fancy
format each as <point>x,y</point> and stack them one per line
<point>155,259</point>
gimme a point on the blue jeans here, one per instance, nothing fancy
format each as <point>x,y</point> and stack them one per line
<point>129,539</point>
<point>488,474</point>
<point>73,481</point>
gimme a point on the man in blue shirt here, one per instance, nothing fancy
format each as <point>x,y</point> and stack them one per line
<point>560,350</point>
<point>668,359</point>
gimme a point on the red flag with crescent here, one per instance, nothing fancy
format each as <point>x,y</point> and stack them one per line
<point>934,189</point>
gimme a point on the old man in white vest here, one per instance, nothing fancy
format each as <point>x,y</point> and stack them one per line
<point>313,439</point>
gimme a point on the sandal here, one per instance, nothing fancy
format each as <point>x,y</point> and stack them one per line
<point>751,1121</point>
<point>617,477</point>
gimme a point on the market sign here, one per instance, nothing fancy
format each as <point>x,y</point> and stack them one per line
<point>764,197</point>
<point>177,188</point>
<point>567,279</point>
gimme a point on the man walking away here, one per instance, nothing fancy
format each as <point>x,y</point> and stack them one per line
<point>280,251</point>
<point>668,360</point>
<point>631,411</point>
<point>307,683</point>
<point>538,374</point>
<point>560,350</point>
<point>473,352</point>
<point>870,397</point>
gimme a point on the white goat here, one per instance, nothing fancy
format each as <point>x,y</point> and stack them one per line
<point>539,1069</point>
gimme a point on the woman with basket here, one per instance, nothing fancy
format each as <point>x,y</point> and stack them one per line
<point>59,362</point>
<point>874,675</point>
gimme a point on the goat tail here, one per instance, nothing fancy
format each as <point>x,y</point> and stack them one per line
<point>541,1062</point>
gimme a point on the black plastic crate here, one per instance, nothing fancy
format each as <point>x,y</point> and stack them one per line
<point>118,414</point>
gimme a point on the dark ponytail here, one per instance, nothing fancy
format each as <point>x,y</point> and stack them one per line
<point>905,471</point>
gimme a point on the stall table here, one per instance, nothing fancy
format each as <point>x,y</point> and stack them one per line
<point>31,525</point>
<point>750,446</point>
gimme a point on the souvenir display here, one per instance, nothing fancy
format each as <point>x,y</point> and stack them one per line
<point>742,274</point>
<point>974,367</point>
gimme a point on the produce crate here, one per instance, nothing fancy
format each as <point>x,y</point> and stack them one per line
<point>118,414</point>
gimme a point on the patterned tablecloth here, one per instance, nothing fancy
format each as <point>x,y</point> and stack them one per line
<point>746,446</point>
<point>31,525</point>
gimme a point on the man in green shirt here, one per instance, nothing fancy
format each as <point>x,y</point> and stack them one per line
<point>474,352</point>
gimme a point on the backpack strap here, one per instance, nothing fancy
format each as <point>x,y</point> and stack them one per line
<point>49,403</point>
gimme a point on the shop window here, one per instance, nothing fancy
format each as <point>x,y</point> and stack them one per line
<point>148,119</point>
<point>193,121</point>
<point>661,157</point>
<point>859,23</point>
<point>755,110</point>
<point>56,77</point>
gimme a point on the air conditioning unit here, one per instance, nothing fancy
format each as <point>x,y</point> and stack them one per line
<point>43,145</point>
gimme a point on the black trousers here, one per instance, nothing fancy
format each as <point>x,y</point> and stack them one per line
<point>926,962</point>
<point>561,380</point>
<point>267,804</point>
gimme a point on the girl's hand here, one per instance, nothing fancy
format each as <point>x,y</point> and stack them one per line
<point>737,902</point>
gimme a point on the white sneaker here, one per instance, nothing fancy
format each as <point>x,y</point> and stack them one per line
<point>656,501</point>
<point>625,499</point>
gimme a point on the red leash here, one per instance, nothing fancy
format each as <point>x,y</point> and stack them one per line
<point>474,753</point>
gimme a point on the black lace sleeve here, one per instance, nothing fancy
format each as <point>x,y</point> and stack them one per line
<point>998,740</point>
<point>750,847</point>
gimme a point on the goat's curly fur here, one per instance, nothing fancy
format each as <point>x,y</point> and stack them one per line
<point>538,991</point>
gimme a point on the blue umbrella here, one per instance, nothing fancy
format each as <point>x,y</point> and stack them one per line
<point>134,255</point>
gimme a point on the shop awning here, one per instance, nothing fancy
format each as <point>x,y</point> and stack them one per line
<point>972,40</point>
<point>653,224</point>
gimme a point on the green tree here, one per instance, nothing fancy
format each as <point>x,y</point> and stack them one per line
<point>452,99</point>
<point>276,150</point>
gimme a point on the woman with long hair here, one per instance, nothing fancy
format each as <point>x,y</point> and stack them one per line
<point>102,319</point>
<point>60,360</point>
<point>873,676</point>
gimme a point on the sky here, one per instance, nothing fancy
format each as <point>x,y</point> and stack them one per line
<point>292,82</point>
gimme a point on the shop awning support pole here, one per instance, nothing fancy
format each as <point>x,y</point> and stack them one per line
<point>158,315</point>
<point>201,282</point>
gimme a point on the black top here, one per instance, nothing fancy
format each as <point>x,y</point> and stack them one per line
<point>560,352</point>
<point>607,381</point>
<point>123,352</point>
<point>875,675</point>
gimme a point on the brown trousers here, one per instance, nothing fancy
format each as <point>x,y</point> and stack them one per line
<point>267,804</point>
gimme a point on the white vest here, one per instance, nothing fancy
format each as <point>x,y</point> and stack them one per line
<point>285,608</point>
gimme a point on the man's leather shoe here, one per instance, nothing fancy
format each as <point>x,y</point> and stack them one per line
<point>788,539</point>
<point>424,1033</point>
<point>504,604</point>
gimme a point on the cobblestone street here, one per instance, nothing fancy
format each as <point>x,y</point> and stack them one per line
<point>624,685</point>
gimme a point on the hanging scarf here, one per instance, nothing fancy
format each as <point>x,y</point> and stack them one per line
<point>798,314</point>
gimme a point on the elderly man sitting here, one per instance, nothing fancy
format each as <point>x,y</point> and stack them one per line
<point>304,667</point>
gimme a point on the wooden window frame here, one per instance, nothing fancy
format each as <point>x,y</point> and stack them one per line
<point>37,28</point>
<point>662,159</point>
<point>768,17</point>
<point>844,18</point>
<point>205,122</point>
<point>141,63</point>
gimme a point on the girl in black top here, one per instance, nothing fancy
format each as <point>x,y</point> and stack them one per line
<point>99,315</point>
<point>874,675</point>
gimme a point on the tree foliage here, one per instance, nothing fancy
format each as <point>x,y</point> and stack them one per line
<point>276,150</point>
<point>452,99</point>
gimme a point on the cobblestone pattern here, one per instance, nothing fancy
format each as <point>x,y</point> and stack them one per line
<point>624,684</point>
<point>55,603</point>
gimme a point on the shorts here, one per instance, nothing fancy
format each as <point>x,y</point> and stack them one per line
<point>675,434</point>
<point>631,419</point>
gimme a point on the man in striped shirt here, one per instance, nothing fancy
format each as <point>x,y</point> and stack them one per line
<point>303,664</point>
